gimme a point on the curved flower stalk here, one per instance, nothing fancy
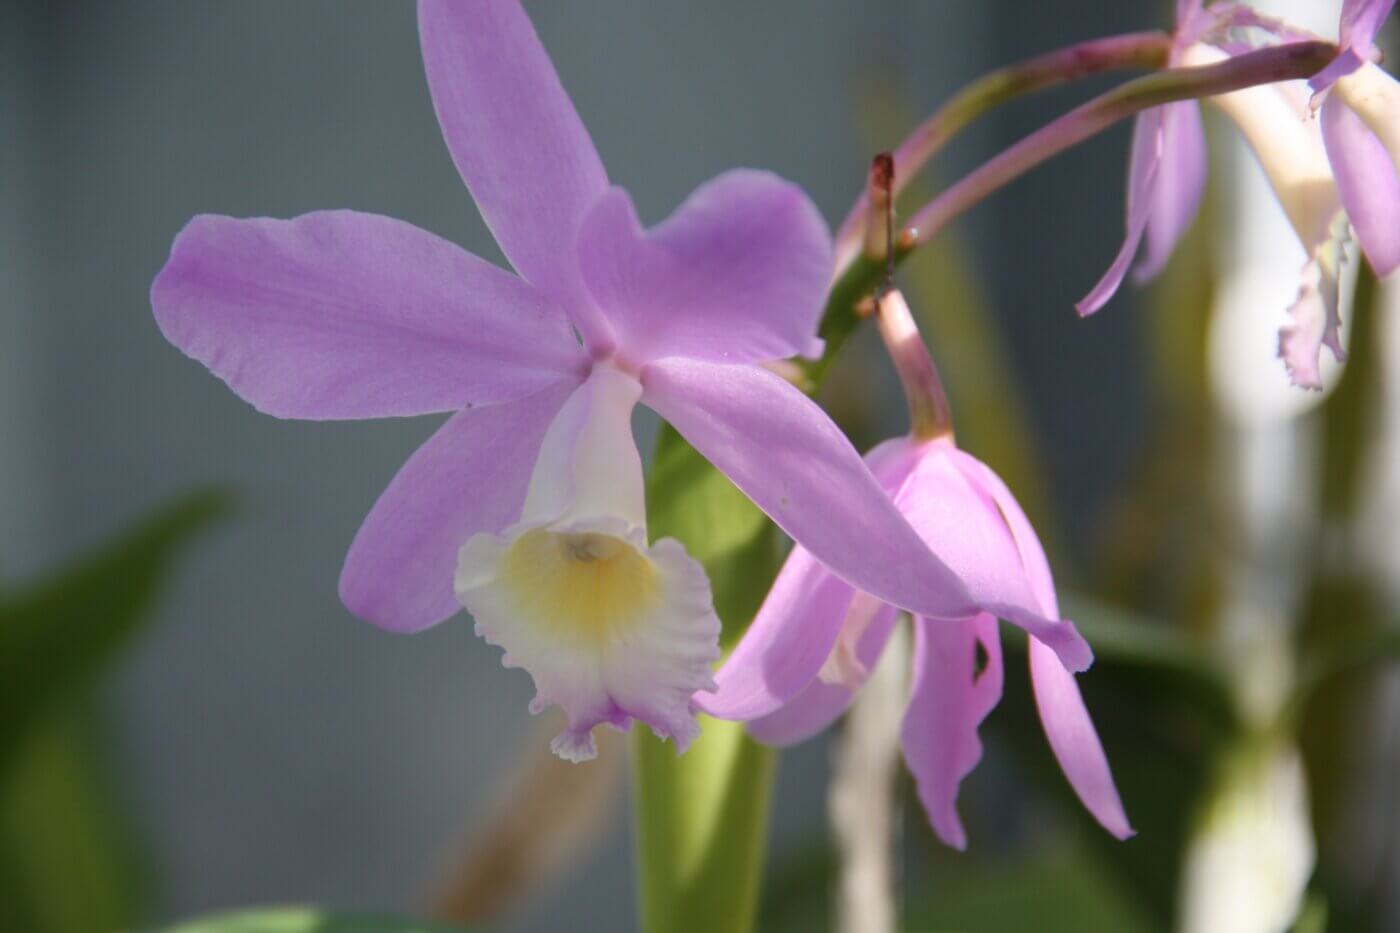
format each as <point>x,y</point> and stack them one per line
<point>816,637</point>
<point>526,505</point>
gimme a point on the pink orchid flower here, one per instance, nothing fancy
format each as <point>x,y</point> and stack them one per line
<point>1344,170</point>
<point>526,506</point>
<point>816,636</point>
<point>1360,106</point>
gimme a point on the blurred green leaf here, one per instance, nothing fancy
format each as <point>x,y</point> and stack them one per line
<point>66,856</point>
<point>306,920</point>
<point>703,818</point>
<point>67,859</point>
<point>1164,655</point>
<point>1067,892</point>
<point>57,635</point>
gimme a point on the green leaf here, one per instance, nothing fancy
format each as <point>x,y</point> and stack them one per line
<point>702,817</point>
<point>306,920</point>
<point>57,635</point>
<point>66,862</point>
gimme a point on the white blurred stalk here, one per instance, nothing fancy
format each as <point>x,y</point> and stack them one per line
<point>1252,852</point>
<point>861,798</point>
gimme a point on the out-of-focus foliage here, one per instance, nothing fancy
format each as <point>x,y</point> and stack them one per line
<point>58,634</point>
<point>307,920</point>
<point>68,860</point>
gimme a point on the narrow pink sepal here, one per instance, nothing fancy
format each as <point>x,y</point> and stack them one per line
<point>786,644</point>
<point>1143,161</point>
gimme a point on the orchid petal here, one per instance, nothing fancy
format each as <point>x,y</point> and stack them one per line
<point>1143,161</point>
<point>1063,715</point>
<point>786,644</point>
<point>945,500</point>
<point>1074,741</point>
<point>786,455</point>
<point>469,477</point>
<point>1362,20</point>
<point>1187,10</point>
<point>1316,318</point>
<point>957,682</point>
<point>1179,186</point>
<point>820,703</point>
<point>737,274</point>
<point>1341,66</point>
<point>338,314</point>
<point>514,135</point>
<point>1367,182</point>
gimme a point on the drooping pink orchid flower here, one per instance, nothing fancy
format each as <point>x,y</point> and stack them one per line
<point>816,636</point>
<point>1345,171</point>
<point>1360,106</point>
<point>526,506</point>
<point>1166,172</point>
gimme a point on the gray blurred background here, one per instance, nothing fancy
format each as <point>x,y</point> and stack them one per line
<point>274,748</point>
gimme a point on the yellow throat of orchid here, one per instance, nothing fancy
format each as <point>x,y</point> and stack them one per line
<point>583,586</point>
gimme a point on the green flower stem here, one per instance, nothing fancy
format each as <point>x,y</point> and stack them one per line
<point>1280,63</point>
<point>702,826</point>
<point>702,818</point>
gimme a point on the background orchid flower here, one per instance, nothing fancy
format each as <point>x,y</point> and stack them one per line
<point>816,636</point>
<point>529,498</point>
<point>1356,170</point>
<point>1289,146</point>
<point>1360,106</point>
<point>1166,171</point>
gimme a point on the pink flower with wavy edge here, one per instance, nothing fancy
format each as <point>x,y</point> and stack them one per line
<point>816,636</point>
<point>526,506</point>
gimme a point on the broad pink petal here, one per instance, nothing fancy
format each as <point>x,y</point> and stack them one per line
<point>514,135</point>
<point>738,273</point>
<point>1143,161</point>
<point>820,704</point>
<point>1066,721</point>
<point>945,502</point>
<point>785,645</point>
<point>952,694</point>
<point>796,465</point>
<point>467,478</point>
<point>1075,743</point>
<point>1367,183</point>
<point>338,314</point>
<point>1179,186</point>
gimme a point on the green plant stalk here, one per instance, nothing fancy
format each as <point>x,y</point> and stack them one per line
<point>702,818</point>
